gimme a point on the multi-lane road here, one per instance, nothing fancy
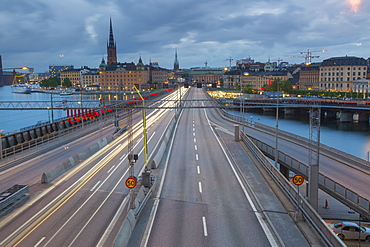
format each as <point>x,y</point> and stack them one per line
<point>204,196</point>
<point>77,208</point>
<point>207,198</point>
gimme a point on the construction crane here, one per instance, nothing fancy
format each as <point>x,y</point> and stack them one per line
<point>308,55</point>
<point>230,60</point>
<point>278,60</point>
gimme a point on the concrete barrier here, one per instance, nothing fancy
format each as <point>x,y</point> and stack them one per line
<point>126,230</point>
<point>159,155</point>
<point>139,198</point>
<point>55,172</point>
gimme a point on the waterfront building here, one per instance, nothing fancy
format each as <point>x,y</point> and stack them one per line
<point>206,75</point>
<point>90,79</point>
<point>55,70</point>
<point>74,75</point>
<point>339,73</point>
<point>122,76</point>
<point>361,86</point>
<point>309,77</point>
<point>259,80</point>
<point>231,78</point>
<point>119,76</point>
<point>158,75</point>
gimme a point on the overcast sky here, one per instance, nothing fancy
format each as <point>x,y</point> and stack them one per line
<point>40,33</point>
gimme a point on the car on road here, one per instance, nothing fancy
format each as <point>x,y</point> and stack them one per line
<point>350,230</point>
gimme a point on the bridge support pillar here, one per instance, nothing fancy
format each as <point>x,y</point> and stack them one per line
<point>330,114</point>
<point>363,117</point>
<point>313,186</point>
<point>285,171</point>
<point>236,132</point>
<point>291,111</point>
<point>345,117</point>
<point>268,110</point>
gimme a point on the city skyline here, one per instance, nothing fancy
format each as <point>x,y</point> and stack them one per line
<point>40,33</point>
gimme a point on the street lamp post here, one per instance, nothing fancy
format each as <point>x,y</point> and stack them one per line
<point>277,124</point>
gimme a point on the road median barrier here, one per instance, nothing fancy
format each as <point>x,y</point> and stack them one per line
<point>55,172</point>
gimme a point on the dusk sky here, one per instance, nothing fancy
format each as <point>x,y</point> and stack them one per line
<point>40,33</point>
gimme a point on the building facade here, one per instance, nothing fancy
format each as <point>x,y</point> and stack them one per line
<point>206,75</point>
<point>259,80</point>
<point>309,77</point>
<point>74,75</point>
<point>339,73</point>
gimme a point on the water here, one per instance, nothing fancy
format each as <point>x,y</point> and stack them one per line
<point>13,120</point>
<point>352,138</point>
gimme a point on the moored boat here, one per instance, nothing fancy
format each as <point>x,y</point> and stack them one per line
<point>65,93</point>
<point>20,84</point>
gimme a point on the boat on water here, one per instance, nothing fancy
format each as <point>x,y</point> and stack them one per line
<point>20,84</point>
<point>65,93</point>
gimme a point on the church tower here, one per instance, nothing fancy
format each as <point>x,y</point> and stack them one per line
<point>111,47</point>
<point>176,65</point>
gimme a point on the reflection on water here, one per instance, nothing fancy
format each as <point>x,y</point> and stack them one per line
<point>353,138</point>
<point>13,120</point>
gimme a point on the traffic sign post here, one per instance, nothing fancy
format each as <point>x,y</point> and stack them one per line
<point>131,182</point>
<point>298,180</point>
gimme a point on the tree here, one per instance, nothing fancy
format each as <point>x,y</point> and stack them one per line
<point>247,90</point>
<point>67,82</point>
<point>280,85</point>
<point>50,82</point>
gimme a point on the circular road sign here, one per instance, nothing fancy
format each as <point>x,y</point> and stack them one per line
<point>298,180</point>
<point>131,182</point>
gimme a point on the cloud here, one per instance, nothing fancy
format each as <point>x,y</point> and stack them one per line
<point>201,31</point>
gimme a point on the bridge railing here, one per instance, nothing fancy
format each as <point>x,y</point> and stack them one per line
<point>337,190</point>
<point>352,161</point>
<point>308,212</point>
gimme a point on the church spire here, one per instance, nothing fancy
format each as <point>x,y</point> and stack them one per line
<point>111,46</point>
<point>176,64</point>
<point>111,38</point>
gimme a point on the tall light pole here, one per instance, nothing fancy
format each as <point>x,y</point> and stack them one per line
<point>1,70</point>
<point>146,173</point>
<point>277,124</point>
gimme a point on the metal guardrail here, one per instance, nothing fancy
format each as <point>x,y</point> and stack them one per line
<point>12,195</point>
<point>338,191</point>
<point>345,195</point>
<point>33,148</point>
<point>308,212</point>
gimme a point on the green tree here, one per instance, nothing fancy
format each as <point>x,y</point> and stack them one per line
<point>67,82</point>
<point>248,90</point>
<point>50,82</point>
<point>280,85</point>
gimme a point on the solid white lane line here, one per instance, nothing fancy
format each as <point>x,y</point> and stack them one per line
<point>205,226</point>
<point>39,242</point>
<point>196,148</point>
<point>200,187</point>
<point>198,169</point>
<point>196,156</point>
<point>260,217</point>
<point>95,185</point>
<point>153,213</point>
<point>111,169</point>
